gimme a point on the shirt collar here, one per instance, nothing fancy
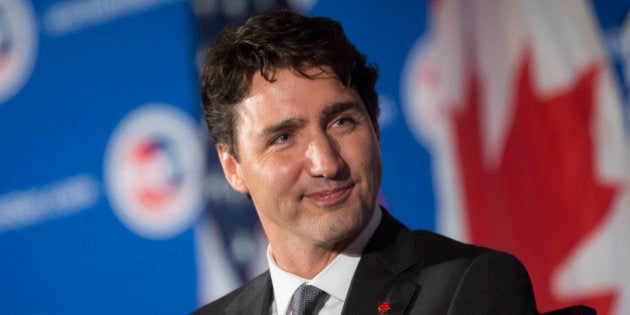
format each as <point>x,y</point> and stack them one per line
<point>334,279</point>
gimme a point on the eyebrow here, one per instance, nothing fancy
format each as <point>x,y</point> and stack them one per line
<point>338,108</point>
<point>284,125</point>
<point>296,123</point>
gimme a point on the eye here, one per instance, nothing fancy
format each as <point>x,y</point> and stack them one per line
<point>282,138</point>
<point>343,122</point>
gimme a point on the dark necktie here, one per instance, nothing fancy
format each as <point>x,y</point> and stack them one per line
<point>307,299</point>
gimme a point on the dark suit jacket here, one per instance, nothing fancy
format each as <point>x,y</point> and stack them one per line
<point>415,272</point>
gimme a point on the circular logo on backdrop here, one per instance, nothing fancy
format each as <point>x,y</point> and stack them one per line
<point>420,90</point>
<point>18,45</point>
<point>154,171</point>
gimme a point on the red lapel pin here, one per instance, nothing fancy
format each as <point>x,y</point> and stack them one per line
<point>384,307</point>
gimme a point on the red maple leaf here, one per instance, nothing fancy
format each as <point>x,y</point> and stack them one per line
<point>542,198</point>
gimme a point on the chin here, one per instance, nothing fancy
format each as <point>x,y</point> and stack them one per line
<point>338,228</point>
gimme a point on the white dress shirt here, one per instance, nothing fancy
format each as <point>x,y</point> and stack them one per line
<point>334,279</point>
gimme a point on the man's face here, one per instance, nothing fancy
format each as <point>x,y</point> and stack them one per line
<point>308,156</point>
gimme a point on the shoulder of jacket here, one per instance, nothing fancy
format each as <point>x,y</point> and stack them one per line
<point>218,306</point>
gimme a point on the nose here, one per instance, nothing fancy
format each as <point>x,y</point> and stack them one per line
<point>324,158</point>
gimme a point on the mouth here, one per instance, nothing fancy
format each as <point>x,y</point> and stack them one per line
<point>330,197</point>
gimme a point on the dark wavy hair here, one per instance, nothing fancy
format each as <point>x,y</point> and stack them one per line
<point>275,40</point>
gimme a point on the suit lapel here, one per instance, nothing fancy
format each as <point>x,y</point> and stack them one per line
<point>376,282</point>
<point>255,300</point>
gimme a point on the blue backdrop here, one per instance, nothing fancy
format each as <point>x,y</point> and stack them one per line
<point>63,250</point>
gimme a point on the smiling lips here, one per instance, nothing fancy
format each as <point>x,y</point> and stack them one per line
<point>330,197</point>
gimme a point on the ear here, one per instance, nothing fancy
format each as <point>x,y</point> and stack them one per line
<point>231,169</point>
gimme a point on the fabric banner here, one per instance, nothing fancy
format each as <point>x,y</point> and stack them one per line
<point>526,120</point>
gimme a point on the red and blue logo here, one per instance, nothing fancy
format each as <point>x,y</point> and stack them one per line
<point>157,156</point>
<point>154,171</point>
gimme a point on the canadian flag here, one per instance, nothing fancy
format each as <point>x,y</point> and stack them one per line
<point>520,108</point>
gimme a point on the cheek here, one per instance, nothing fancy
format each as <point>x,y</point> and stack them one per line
<point>365,153</point>
<point>278,172</point>
<point>368,159</point>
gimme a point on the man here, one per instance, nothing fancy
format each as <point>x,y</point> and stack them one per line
<point>292,108</point>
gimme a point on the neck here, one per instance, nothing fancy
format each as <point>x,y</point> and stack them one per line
<point>303,259</point>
